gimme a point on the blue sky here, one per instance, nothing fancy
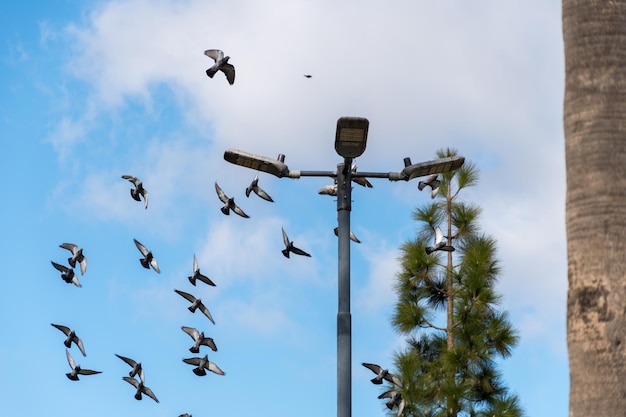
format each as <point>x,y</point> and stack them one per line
<point>95,90</point>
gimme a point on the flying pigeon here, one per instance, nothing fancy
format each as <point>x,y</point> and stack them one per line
<point>382,374</point>
<point>308,75</point>
<point>148,259</point>
<point>195,304</point>
<point>328,190</point>
<point>254,186</point>
<point>198,276</point>
<point>432,182</point>
<point>202,364</point>
<point>138,191</point>
<point>221,64</point>
<point>352,235</point>
<point>229,203</point>
<point>71,337</point>
<point>77,256</point>
<point>141,388</point>
<point>289,247</point>
<point>199,339</point>
<point>395,399</point>
<point>76,369</point>
<point>439,242</point>
<point>67,274</point>
<point>137,369</point>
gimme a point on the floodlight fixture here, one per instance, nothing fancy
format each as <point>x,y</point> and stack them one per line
<point>437,166</point>
<point>275,167</point>
<point>351,136</point>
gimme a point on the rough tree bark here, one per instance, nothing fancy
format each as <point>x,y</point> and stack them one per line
<point>594,34</point>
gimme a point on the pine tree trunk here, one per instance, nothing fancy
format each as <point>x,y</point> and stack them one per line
<point>594,33</point>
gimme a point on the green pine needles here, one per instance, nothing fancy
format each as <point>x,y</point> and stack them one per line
<point>447,309</point>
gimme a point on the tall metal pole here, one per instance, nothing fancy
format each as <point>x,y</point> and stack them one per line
<point>344,320</point>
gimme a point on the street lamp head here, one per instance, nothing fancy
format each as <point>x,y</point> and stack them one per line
<point>275,167</point>
<point>351,136</point>
<point>437,166</point>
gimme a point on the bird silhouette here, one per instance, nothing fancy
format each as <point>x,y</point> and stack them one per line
<point>148,259</point>
<point>76,369</point>
<point>433,182</point>
<point>137,369</point>
<point>307,75</point>
<point>203,364</point>
<point>199,339</point>
<point>71,338</point>
<point>141,388</point>
<point>77,256</point>
<point>196,303</point>
<point>67,274</point>
<point>382,374</point>
<point>254,186</point>
<point>198,276</point>
<point>138,191</point>
<point>229,203</point>
<point>289,247</point>
<point>221,64</point>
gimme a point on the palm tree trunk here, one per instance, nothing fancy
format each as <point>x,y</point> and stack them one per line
<point>594,34</point>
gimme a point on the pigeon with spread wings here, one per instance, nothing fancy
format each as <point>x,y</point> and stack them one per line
<point>138,191</point>
<point>289,247</point>
<point>203,364</point>
<point>67,274</point>
<point>221,64</point>
<point>197,276</point>
<point>77,256</point>
<point>196,303</point>
<point>76,369</point>
<point>71,338</point>
<point>229,203</point>
<point>148,259</point>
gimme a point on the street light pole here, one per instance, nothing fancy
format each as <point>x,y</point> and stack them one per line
<point>344,319</point>
<point>350,142</point>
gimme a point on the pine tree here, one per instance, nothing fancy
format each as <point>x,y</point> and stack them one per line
<point>447,309</point>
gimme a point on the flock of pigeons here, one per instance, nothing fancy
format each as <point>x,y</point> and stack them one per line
<point>136,376</point>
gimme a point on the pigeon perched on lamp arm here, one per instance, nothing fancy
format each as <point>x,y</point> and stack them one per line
<point>77,256</point>
<point>221,64</point>
<point>138,191</point>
